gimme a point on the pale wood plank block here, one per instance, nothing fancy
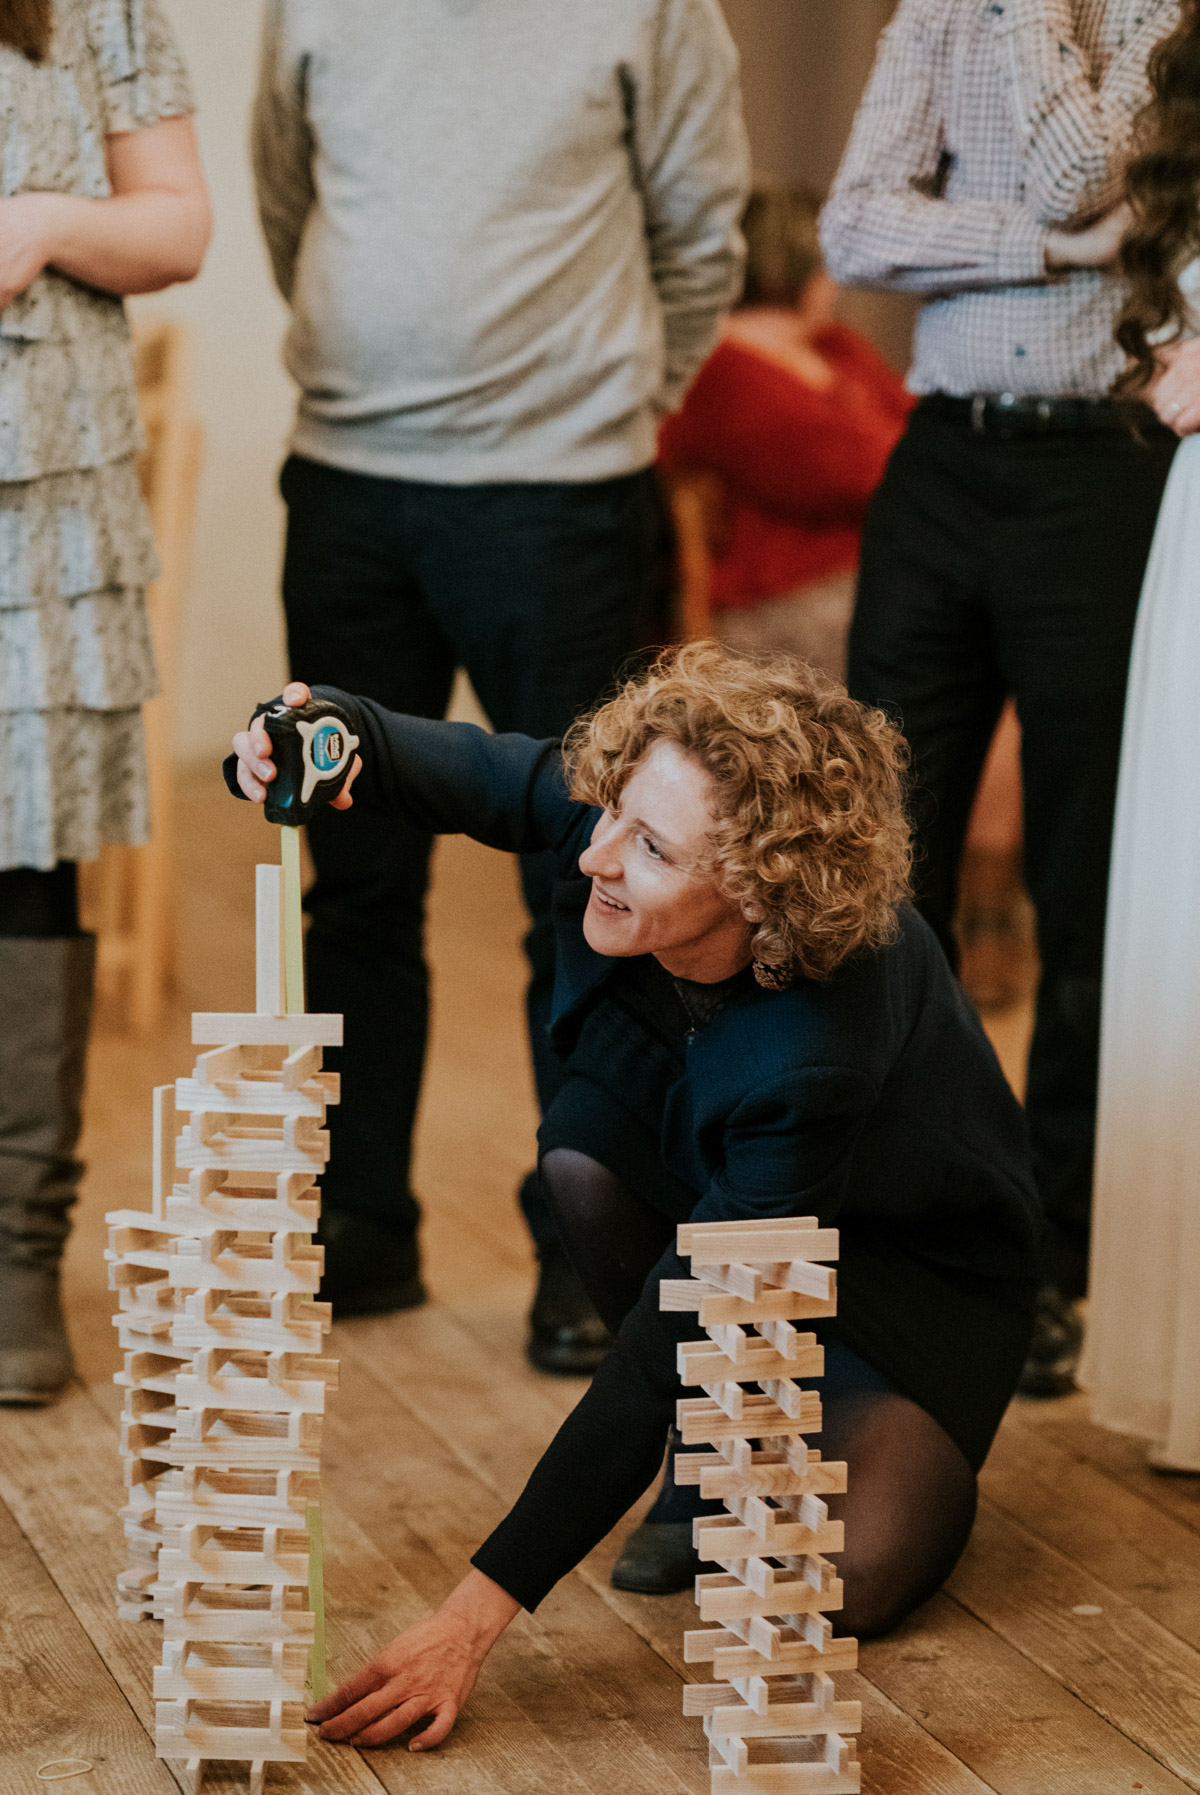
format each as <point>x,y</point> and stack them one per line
<point>784,1720</point>
<point>268,957</point>
<point>752,1245</point>
<point>702,1362</point>
<point>246,1028</point>
<point>253,1096</point>
<point>163,1147</point>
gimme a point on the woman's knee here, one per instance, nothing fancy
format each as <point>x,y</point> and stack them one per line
<point>908,1511</point>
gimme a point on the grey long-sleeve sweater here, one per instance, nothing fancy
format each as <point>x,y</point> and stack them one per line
<point>507,229</point>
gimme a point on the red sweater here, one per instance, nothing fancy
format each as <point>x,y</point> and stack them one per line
<point>797,464</point>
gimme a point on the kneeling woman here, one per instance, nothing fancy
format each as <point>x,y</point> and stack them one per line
<point>755,1023</point>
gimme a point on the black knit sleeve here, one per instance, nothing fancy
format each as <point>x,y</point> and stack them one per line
<point>605,1454</point>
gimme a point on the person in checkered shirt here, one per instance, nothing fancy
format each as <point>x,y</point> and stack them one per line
<point>1005,548</point>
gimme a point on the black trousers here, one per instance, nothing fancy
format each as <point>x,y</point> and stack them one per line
<point>1013,565</point>
<point>541,592</point>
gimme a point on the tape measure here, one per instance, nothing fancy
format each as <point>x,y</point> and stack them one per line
<point>313,748</point>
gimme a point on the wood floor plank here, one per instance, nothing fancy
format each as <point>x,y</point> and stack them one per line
<point>1116,1532</point>
<point>1105,1650</point>
<point>57,1700</point>
<point>60,1478</point>
<point>1121,1457</point>
<point>1017,1728</point>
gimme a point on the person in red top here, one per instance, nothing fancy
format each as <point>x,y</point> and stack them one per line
<point>794,416</point>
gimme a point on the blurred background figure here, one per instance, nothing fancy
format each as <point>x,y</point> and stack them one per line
<point>102,196</point>
<point>1005,549</point>
<point>507,236</point>
<point>1142,1359</point>
<point>778,447</point>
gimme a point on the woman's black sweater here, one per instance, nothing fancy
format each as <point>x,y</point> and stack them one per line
<point>871,1100</point>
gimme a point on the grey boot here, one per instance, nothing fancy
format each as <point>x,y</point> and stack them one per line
<point>45,1011</point>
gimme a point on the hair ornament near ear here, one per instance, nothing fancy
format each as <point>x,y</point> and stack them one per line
<point>772,978</point>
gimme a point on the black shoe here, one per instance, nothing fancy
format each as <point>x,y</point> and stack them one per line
<point>566,1336</point>
<point>369,1269</point>
<point>659,1559</point>
<point>1056,1346</point>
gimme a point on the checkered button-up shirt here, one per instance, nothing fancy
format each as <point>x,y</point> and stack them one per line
<point>985,124</point>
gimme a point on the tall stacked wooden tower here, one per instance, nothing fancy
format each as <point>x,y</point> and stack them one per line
<point>773,1720</point>
<point>224,1377</point>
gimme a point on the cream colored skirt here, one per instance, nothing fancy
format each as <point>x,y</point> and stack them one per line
<point>1142,1359</point>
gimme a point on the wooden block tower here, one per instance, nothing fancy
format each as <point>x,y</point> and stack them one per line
<point>224,1376</point>
<point>773,1722</point>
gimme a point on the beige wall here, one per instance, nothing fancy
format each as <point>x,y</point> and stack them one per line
<point>804,63</point>
<point>233,642</point>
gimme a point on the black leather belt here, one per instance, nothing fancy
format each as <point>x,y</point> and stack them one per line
<point>1025,414</point>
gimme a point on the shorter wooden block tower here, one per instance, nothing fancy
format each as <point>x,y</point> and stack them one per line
<point>774,1724</point>
<point>225,1380</point>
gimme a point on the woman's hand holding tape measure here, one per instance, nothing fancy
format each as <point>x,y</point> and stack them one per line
<point>297,753</point>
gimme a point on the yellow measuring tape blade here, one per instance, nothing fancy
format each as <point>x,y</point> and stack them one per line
<point>293,978</point>
<point>293,922</point>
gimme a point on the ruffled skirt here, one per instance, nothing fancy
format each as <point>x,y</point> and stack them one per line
<point>76,664</point>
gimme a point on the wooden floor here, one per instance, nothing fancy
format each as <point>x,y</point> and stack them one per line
<point>1063,1659</point>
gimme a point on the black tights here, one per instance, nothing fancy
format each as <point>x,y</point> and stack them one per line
<point>910,1503</point>
<point>37,905</point>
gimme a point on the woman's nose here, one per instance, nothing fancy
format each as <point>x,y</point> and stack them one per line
<point>601,859</point>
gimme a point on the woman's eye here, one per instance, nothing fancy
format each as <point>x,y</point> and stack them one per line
<point>652,848</point>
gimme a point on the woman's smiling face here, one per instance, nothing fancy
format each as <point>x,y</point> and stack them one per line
<point>653,889</point>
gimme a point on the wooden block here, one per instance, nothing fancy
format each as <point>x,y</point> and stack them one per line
<point>691,1234</point>
<point>246,1028</point>
<point>784,1720</point>
<point>703,1362</point>
<point>715,1537</point>
<point>755,1245</point>
<point>701,1421</point>
<point>788,1779</point>
<point>716,1309</point>
<point>301,1065</point>
<point>219,1063</point>
<point>727,1598</point>
<point>268,958</point>
<point>163,1161</point>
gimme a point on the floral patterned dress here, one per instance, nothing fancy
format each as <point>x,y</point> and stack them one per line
<point>76,661</point>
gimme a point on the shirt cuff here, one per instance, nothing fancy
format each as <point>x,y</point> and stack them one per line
<point>1021,250</point>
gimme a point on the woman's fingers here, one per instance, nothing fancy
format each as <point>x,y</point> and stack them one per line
<point>352,1690</point>
<point>343,801</point>
<point>437,1730</point>
<point>296,693</point>
<point>400,1718</point>
<point>377,1704</point>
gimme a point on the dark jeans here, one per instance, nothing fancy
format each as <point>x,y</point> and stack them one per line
<point>541,592</point>
<point>994,566</point>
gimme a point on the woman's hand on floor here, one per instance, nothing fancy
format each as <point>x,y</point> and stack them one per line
<point>423,1678</point>
<point>256,766</point>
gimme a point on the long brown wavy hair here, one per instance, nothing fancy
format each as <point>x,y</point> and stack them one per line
<point>812,840</point>
<point>27,26</point>
<point>1163,188</point>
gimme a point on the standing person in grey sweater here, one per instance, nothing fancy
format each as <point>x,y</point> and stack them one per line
<point>507,233</point>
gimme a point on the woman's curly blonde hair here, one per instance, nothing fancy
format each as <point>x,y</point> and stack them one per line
<point>812,840</point>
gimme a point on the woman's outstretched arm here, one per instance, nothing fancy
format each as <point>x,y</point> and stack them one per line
<point>507,791</point>
<point>150,232</point>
